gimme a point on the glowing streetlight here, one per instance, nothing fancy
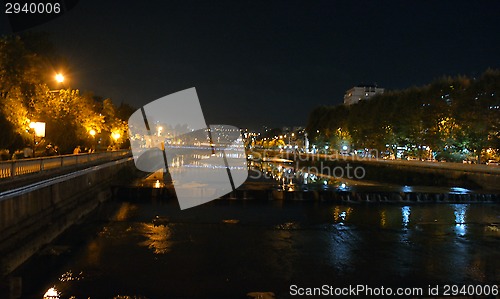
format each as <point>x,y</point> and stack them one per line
<point>60,78</point>
<point>38,128</point>
<point>38,131</point>
<point>92,133</point>
<point>116,136</point>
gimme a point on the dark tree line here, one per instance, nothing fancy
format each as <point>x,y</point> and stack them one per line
<point>455,118</point>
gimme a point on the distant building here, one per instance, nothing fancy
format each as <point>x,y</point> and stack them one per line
<point>360,93</point>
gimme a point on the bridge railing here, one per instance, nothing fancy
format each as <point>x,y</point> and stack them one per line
<point>13,168</point>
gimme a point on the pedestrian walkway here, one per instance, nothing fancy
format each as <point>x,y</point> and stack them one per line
<point>19,173</point>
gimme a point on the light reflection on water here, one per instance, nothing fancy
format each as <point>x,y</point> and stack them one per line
<point>341,244</point>
<point>341,214</point>
<point>383,218</point>
<point>52,293</point>
<point>286,241</point>
<point>405,211</point>
<point>158,237</point>
<point>69,276</point>
<point>460,211</point>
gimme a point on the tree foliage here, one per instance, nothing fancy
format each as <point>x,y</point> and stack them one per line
<point>451,116</point>
<point>69,116</point>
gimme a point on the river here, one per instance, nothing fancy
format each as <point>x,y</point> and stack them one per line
<point>148,248</point>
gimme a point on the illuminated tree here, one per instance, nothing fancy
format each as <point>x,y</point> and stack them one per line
<point>452,116</point>
<point>25,96</point>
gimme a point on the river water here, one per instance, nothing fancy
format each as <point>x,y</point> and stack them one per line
<point>227,248</point>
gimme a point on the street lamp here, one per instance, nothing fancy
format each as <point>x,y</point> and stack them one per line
<point>38,131</point>
<point>92,133</point>
<point>116,136</point>
<point>59,78</point>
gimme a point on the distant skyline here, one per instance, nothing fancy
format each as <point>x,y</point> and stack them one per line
<point>257,63</point>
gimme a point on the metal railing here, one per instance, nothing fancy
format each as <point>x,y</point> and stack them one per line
<point>13,168</point>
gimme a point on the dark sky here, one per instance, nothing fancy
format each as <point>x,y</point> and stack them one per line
<point>269,63</point>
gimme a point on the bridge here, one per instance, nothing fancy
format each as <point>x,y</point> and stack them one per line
<point>41,197</point>
<point>17,168</point>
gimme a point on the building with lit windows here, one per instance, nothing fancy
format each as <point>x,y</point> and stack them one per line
<point>361,93</point>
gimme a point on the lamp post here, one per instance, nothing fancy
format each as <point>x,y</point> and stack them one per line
<point>59,78</point>
<point>38,131</point>
<point>116,136</point>
<point>92,133</point>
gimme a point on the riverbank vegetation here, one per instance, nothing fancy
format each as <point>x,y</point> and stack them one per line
<point>30,94</point>
<point>453,119</point>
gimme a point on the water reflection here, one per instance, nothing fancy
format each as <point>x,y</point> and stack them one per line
<point>343,240</point>
<point>341,214</point>
<point>290,179</point>
<point>405,211</point>
<point>158,185</point>
<point>52,293</point>
<point>275,244</point>
<point>383,218</point>
<point>158,237</point>
<point>124,211</point>
<point>460,211</point>
<point>69,276</point>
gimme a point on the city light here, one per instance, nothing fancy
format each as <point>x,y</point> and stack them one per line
<point>39,128</point>
<point>92,132</point>
<point>116,136</point>
<point>59,78</point>
<point>51,293</point>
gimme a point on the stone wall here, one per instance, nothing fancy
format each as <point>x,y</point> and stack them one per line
<point>34,216</point>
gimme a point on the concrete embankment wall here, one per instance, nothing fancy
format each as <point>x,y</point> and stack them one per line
<point>429,175</point>
<point>32,217</point>
<point>131,193</point>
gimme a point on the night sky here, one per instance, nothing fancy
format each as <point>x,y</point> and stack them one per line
<point>258,63</point>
